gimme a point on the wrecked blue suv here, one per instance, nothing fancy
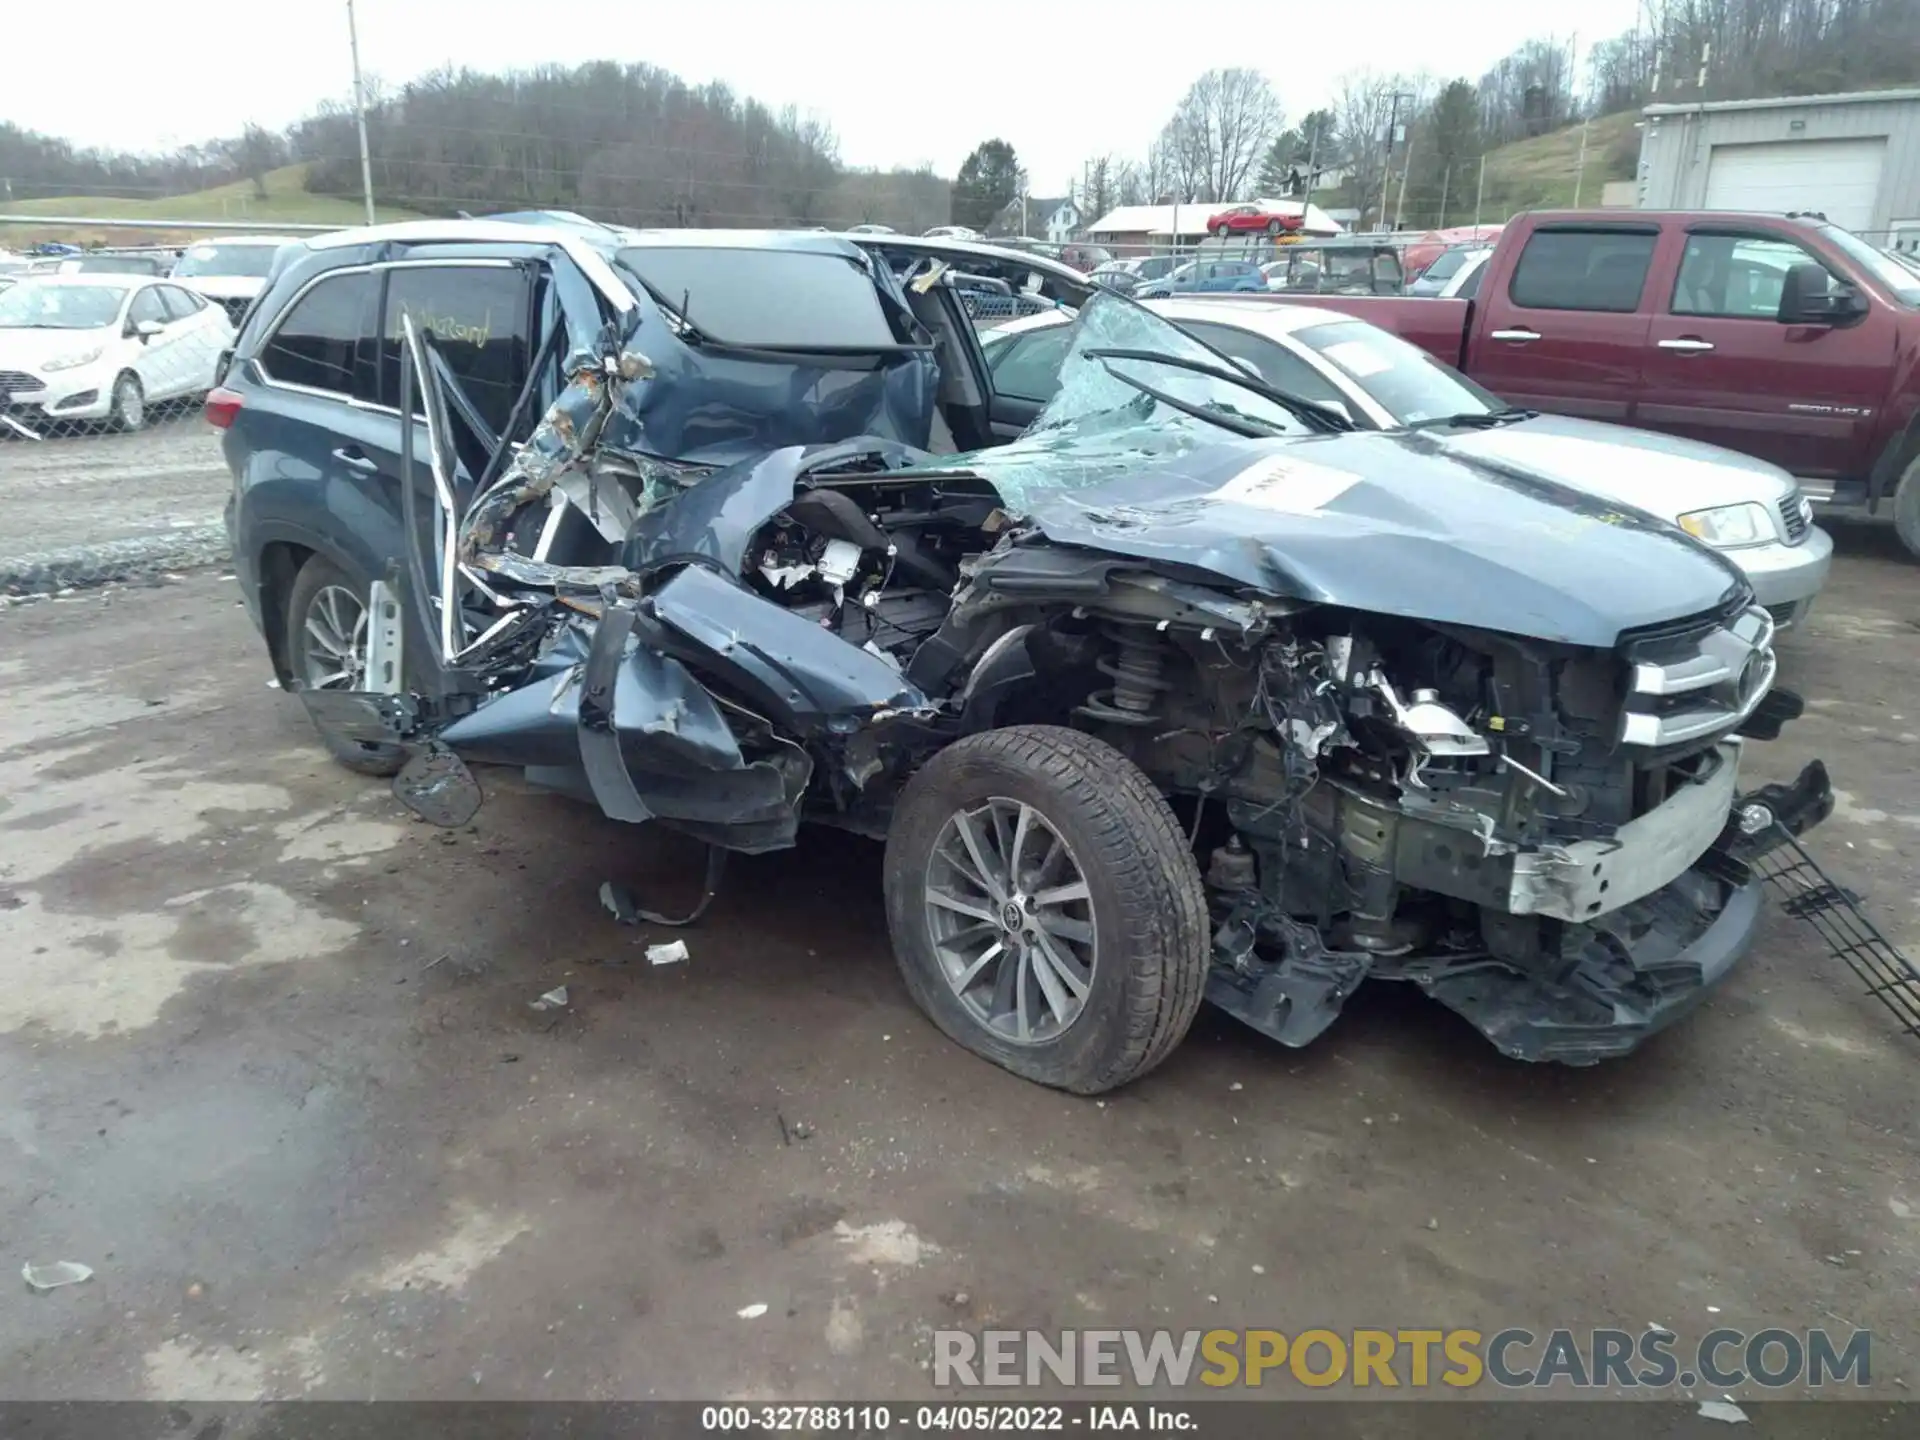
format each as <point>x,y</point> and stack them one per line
<point>1170,689</point>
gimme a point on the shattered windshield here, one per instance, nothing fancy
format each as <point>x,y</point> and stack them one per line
<point>1112,413</point>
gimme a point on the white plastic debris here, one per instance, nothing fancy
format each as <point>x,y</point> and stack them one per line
<point>1723,1410</point>
<point>1236,1086</point>
<point>554,999</point>
<point>669,954</point>
<point>42,1278</point>
<point>758,1308</point>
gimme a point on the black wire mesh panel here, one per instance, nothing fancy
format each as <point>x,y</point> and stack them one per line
<point>1808,893</point>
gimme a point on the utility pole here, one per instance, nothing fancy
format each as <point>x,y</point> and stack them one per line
<point>1400,203</point>
<point>360,113</point>
<point>1580,170</point>
<point>1386,158</point>
<point>1446,183</point>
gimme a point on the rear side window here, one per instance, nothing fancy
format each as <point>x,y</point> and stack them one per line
<point>480,317</point>
<point>1583,270</point>
<point>790,299</point>
<point>317,343</point>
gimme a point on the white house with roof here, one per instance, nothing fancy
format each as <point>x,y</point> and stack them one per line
<point>1055,220</point>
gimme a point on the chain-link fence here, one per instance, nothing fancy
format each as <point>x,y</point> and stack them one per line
<point>107,470</point>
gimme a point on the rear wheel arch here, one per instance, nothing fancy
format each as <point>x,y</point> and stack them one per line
<point>279,564</point>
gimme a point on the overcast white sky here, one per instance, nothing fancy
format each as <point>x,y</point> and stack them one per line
<point>902,83</point>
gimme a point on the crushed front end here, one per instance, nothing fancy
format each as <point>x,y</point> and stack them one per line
<point>1549,840</point>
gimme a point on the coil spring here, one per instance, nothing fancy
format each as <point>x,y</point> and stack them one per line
<point>1138,671</point>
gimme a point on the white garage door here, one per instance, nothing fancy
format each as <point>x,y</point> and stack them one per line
<point>1838,178</point>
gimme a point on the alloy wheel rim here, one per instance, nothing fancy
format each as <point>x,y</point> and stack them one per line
<point>1011,919</point>
<point>336,650</point>
<point>133,407</point>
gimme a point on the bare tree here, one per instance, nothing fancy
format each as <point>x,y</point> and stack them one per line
<point>1098,186</point>
<point>1362,111</point>
<point>1219,131</point>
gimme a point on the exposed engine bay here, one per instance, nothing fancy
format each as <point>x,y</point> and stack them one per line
<point>1542,831</point>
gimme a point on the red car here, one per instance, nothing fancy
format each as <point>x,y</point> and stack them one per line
<point>1249,219</point>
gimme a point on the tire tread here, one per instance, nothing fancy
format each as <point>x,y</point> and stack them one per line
<point>1141,850</point>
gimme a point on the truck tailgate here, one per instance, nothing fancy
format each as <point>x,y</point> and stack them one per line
<point>1438,327</point>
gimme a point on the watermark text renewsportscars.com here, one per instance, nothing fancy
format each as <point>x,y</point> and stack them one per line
<point>1512,1359</point>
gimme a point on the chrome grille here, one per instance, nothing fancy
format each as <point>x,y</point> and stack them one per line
<point>1688,688</point>
<point>18,382</point>
<point>1796,513</point>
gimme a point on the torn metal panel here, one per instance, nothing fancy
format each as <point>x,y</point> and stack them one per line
<point>807,679</point>
<point>717,519</point>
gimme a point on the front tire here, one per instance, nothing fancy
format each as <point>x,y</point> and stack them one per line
<point>1222,231</point>
<point>1045,908</point>
<point>128,411</point>
<point>1273,227</point>
<point>326,649</point>
<point>1906,508</point>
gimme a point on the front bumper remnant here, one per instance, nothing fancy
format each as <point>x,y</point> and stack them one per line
<point>1612,981</point>
<point>1638,969</point>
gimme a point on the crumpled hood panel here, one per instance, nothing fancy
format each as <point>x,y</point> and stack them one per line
<point>1398,523</point>
<point>1389,524</point>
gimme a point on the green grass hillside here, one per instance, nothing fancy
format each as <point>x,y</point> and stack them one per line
<point>1539,173</point>
<point>287,202</point>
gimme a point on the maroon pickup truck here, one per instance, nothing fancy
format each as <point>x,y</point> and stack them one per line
<point>1784,337</point>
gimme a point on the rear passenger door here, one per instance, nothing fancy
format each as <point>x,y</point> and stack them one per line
<point>326,425</point>
<point>1568,332</point>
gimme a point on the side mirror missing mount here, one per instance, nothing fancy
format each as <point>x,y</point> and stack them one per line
<point>1811,296</point>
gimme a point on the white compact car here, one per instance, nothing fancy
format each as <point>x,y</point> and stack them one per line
<point>103,347</point>
<point>1751,510</point>
<point>231,271</point>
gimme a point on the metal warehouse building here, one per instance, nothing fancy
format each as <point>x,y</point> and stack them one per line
<point>1853,158</point>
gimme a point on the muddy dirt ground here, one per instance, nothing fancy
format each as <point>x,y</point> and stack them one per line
<point>268,1064</point>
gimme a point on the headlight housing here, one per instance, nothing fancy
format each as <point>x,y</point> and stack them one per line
<point>74,362</point>
<point>1727,527</point>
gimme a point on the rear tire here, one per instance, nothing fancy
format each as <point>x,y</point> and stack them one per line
<point>128,411</point>
<point>326,635</point>
<point>1136,939</point>
<point>1906,508</point>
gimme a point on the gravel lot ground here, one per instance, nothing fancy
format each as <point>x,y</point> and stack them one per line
<point>86,507</point>
<point>267,1063</point>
